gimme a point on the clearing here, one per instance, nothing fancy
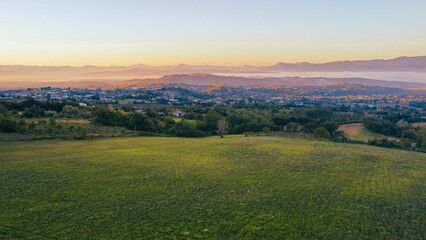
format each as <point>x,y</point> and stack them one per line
<point>357,132</point>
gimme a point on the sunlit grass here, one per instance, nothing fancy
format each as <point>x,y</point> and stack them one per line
<point>210,188</point>
<point>357,132</point>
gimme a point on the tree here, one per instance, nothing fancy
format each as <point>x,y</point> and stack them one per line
<point>33,112</point>
<point>8,124</point>
<point>185,129</point>
<point>293,127</point>
<point>320,113</point>
<point>222,127</point>
<point>210,120</point>
<point>266,130</point>
<point>422,138</point>
<point>280,120</point>
<point>105,116</point>
<point>321,132</point>
<point>29,102</point>
<point>3,110</point>
<point>140,122</point>
<point>69,111</point>
<point>385,127</point>
<point>340,135</point>
<point>330,126</point>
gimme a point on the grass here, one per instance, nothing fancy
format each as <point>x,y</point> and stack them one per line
<point>420,124</point>
<point>357,132</point>
<point>210,188</point>
<point>178,119</point>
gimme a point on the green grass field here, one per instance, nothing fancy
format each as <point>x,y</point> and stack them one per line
<point>210,188</point>
<point>357,132</point>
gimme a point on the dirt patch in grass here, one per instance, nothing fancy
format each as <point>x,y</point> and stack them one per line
<point>350,128</point>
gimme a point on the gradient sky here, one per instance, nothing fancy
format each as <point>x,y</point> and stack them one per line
<point>232,32</point>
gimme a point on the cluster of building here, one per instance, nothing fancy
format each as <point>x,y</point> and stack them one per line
<point>175,95</point>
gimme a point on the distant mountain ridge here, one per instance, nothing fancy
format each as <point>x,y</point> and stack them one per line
<point>397,64</point>
<point>212,80</point>
<point>232,81</point>
<point>30,76</point>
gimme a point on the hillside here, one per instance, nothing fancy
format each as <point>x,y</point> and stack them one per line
<point>208,80</point>
<point>210,188</point>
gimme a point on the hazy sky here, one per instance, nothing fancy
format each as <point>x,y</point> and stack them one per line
<point>232,32</point>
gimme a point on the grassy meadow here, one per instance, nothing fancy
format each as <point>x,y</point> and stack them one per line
<point>357,132</point>
<point>210,188</point>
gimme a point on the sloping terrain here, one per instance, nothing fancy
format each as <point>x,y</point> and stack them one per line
<point>210,188</point>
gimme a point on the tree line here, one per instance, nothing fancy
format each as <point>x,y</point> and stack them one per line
<point>200,120</point>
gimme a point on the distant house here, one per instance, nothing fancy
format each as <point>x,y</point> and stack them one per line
<point>178,114</point>
<point>82,104</point>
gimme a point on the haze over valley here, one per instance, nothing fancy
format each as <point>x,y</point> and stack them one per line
<point>403,69</point>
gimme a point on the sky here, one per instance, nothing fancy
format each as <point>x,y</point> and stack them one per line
<point>219,32</point>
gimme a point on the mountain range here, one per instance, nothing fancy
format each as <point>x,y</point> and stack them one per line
<point>350,72</point>
<point>412,64</point>
<point>210,80</point>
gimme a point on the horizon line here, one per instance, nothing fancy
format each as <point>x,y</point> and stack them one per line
<point>206,64</point>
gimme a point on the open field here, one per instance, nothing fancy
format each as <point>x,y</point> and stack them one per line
<point>210,188</point>
<point>357,132</point>
<point>178,119</point>
<point>420,124</point>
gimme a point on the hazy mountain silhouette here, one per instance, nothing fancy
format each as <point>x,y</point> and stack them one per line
<point>208,80</point>
<point>30,76</point>
<point>413,64</point>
